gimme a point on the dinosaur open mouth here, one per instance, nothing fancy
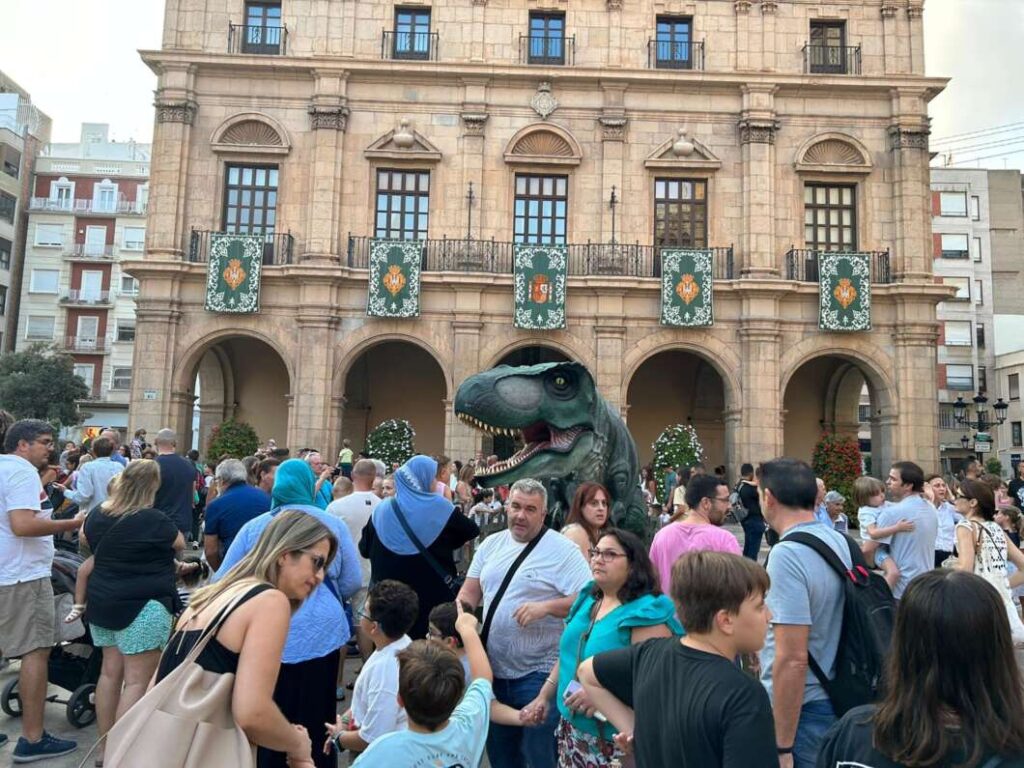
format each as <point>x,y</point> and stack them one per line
<point>537,437</point>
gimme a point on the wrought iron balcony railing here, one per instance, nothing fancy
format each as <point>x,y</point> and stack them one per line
<point>259,40</point>
<point>672,54</point>
<point>278,247</point>
<point>88,206</point>
<point>79,296</point>
<point>832,59</point>
<point>547,49</point>
<point>495,257</point>
<point>802,265</point>
<point>414,46</point>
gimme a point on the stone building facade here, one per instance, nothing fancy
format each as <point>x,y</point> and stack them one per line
<point>768,130</point>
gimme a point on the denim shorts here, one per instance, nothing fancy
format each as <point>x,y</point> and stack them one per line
<point>149,632</point>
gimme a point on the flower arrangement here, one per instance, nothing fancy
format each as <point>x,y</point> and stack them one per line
<point>837,461</point>
<point>677,445</point>
<point>391,441</point>
<point>232,438</point>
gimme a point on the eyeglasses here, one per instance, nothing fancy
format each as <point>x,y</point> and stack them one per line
<point>319,561</point>
<point>364,615</point>
<point>605,554</point>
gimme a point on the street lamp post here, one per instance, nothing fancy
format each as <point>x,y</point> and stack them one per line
<point>980,421</point>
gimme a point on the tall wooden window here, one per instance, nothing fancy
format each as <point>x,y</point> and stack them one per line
<point>262,28</point>
<point>830,217</point>
<point>403,204</point>
<point>412,33</point>
<point>674,42</point>
<point>547,38</point>
<point>250,199</point>
<point>680,213</point>
<point>827,49</point>
<point>541,206</point>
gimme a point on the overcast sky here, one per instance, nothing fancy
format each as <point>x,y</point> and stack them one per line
<point>79,61</point>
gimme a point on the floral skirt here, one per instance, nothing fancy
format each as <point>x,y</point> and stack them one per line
<point>577,749</point>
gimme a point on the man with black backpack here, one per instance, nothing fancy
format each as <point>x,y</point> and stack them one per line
<point>831,617</point>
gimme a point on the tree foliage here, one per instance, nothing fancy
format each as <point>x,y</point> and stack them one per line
<point>232,438</point>
<point>391,442</point>
<point>994,466</point>
<point>837,461</point>
<point>40,383</point>
<point>678,445</point>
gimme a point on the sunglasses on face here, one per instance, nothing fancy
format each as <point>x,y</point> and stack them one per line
<point>319,561</point>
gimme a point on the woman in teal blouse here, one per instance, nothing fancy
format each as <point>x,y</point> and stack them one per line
<point>621,606</point>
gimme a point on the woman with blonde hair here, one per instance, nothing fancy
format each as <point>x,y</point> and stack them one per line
<point>289,560</point>
<point>131,594</point>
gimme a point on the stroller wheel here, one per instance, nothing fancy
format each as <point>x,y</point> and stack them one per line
<point>10,701</point>
<point>81,709</point>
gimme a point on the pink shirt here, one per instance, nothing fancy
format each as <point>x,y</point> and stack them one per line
<point>677,538</point>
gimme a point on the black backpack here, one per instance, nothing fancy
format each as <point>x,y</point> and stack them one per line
<point>868,613</point>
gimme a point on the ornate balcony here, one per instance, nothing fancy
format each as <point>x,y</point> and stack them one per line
<point>802,266</point>
<point>278,248</point>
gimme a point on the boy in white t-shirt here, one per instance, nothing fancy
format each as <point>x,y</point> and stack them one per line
<point>447,720</point>
<point>390,611</point>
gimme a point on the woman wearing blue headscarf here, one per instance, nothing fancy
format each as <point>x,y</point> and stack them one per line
<point>305,690</point>
<point>432,519</point>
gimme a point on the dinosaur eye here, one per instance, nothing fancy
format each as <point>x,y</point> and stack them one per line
<point>561,385</point>
<point>560,382</point>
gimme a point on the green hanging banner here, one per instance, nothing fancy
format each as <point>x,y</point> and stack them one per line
<point>844,281</point>
<point>233,277</point>
<point>687,282</point>
<point>394,283</point>
<point>540,272</point>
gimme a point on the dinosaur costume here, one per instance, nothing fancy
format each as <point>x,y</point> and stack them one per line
<point>570,435</point>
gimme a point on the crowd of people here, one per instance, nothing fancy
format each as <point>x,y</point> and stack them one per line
<point>877,630</point>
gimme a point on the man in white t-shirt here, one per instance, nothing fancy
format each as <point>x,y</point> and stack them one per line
<point>524,633</point>
<point>26,597</point>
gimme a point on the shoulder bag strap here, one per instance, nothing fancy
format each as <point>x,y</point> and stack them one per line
<point>505,582</point>
<point>95,549</point>
<point>447,578</point>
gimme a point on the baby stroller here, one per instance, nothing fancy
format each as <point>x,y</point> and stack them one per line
<point>74,665</point>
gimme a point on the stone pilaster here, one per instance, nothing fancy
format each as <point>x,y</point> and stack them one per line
<point>474,116</point>
<point>908,141</point>
<point>479,39</point>
<point>760,432</point>
<point>915,16</point>
<point>328,117</point>
<point>757,128</point>
<point>153,367</point>
<point>312,413</point>
<point>895,58</point>
<point>168,171</point>
<point>744,58</point>
<point>614,50</point>
<point>613,131</point>
<point>462,440</point>
<point>610,349</point>
<point>769,9</point>
<point>913,433</point>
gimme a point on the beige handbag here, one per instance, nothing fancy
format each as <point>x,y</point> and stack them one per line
<point>184,721</point>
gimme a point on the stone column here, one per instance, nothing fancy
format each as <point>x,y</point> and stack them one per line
<point>759,424</point>
<point>610,342</point>
<point>167,228</point>
<point>734,455</point>
<point>348,28</point>
<point>915,14</point>
<point>156,324</point>
<point>908,142</point>
<point>181,405</point>
<point>462,441</point>
<point>328,117</point>
<point>891,47</point>
<point>313,412</point>
<point>768,46</point>
<point>479,40</point>
<point>613,133</point>
<point>744,60</point>
<point>757,129</point>
<point>916,432</point>
<point>474,122</point>
<point>614,13</point>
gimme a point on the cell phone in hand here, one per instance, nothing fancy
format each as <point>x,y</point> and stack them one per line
<point>574,685</point>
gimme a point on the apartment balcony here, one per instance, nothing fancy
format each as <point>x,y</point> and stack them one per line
<point>260,40</point>
<point>832,59</point>
<point>669,54</point>
<point>278,248</point>
<point>86,345</point>
<point>496,257</point>
<point>98,207</point>
<point>88,298</point>
<point>409,46</point>
<point>88,252</point>
<point>802,266</point>
<point>547,49</point>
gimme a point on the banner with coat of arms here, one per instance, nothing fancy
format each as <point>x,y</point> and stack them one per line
<point>394,282</point>
<point>539,283</point>
<point>844,281</point>
<point>233,277</point>
<point>687,283</point>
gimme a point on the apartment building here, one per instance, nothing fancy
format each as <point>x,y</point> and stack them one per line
<point>86,213</point>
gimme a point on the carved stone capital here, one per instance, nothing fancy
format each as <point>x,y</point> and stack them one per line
<point>613,5</point>
<point>742,6</point>
<point>479,2</point>
<point>915,10</point>
<point>613,127</point>
<point>176,111</point>
<point>758,131</point>
<point>889,9</point>
<point>769,7</point>
<point>473,123</point>
<point>328,118</point>
<point>908,138</point>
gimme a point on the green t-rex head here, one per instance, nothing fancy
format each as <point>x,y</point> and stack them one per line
<point>550,407</point>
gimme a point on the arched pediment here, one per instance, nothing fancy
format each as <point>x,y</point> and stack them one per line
<point>833,153</point>
<point>251,132</point>
<point>403,143</point>
<point>682,152</point>
<point>543,144</point>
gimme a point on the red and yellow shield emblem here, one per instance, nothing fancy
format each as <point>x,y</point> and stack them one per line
<point>394,280</point>
<point>845,293</point>
<point>234,274</point>
<point>688,289</point>
<point>540,289</point>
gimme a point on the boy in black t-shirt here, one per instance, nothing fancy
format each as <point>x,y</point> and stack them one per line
<point>685,703</point>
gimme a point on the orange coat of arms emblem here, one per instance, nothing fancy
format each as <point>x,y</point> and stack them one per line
<point>688,289</point>
<point>234,274</point>
<point>845,293</point>
<point>540,289</point>
<point>394,280</point>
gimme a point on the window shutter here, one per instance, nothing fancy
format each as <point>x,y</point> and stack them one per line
<point>936,203</point>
